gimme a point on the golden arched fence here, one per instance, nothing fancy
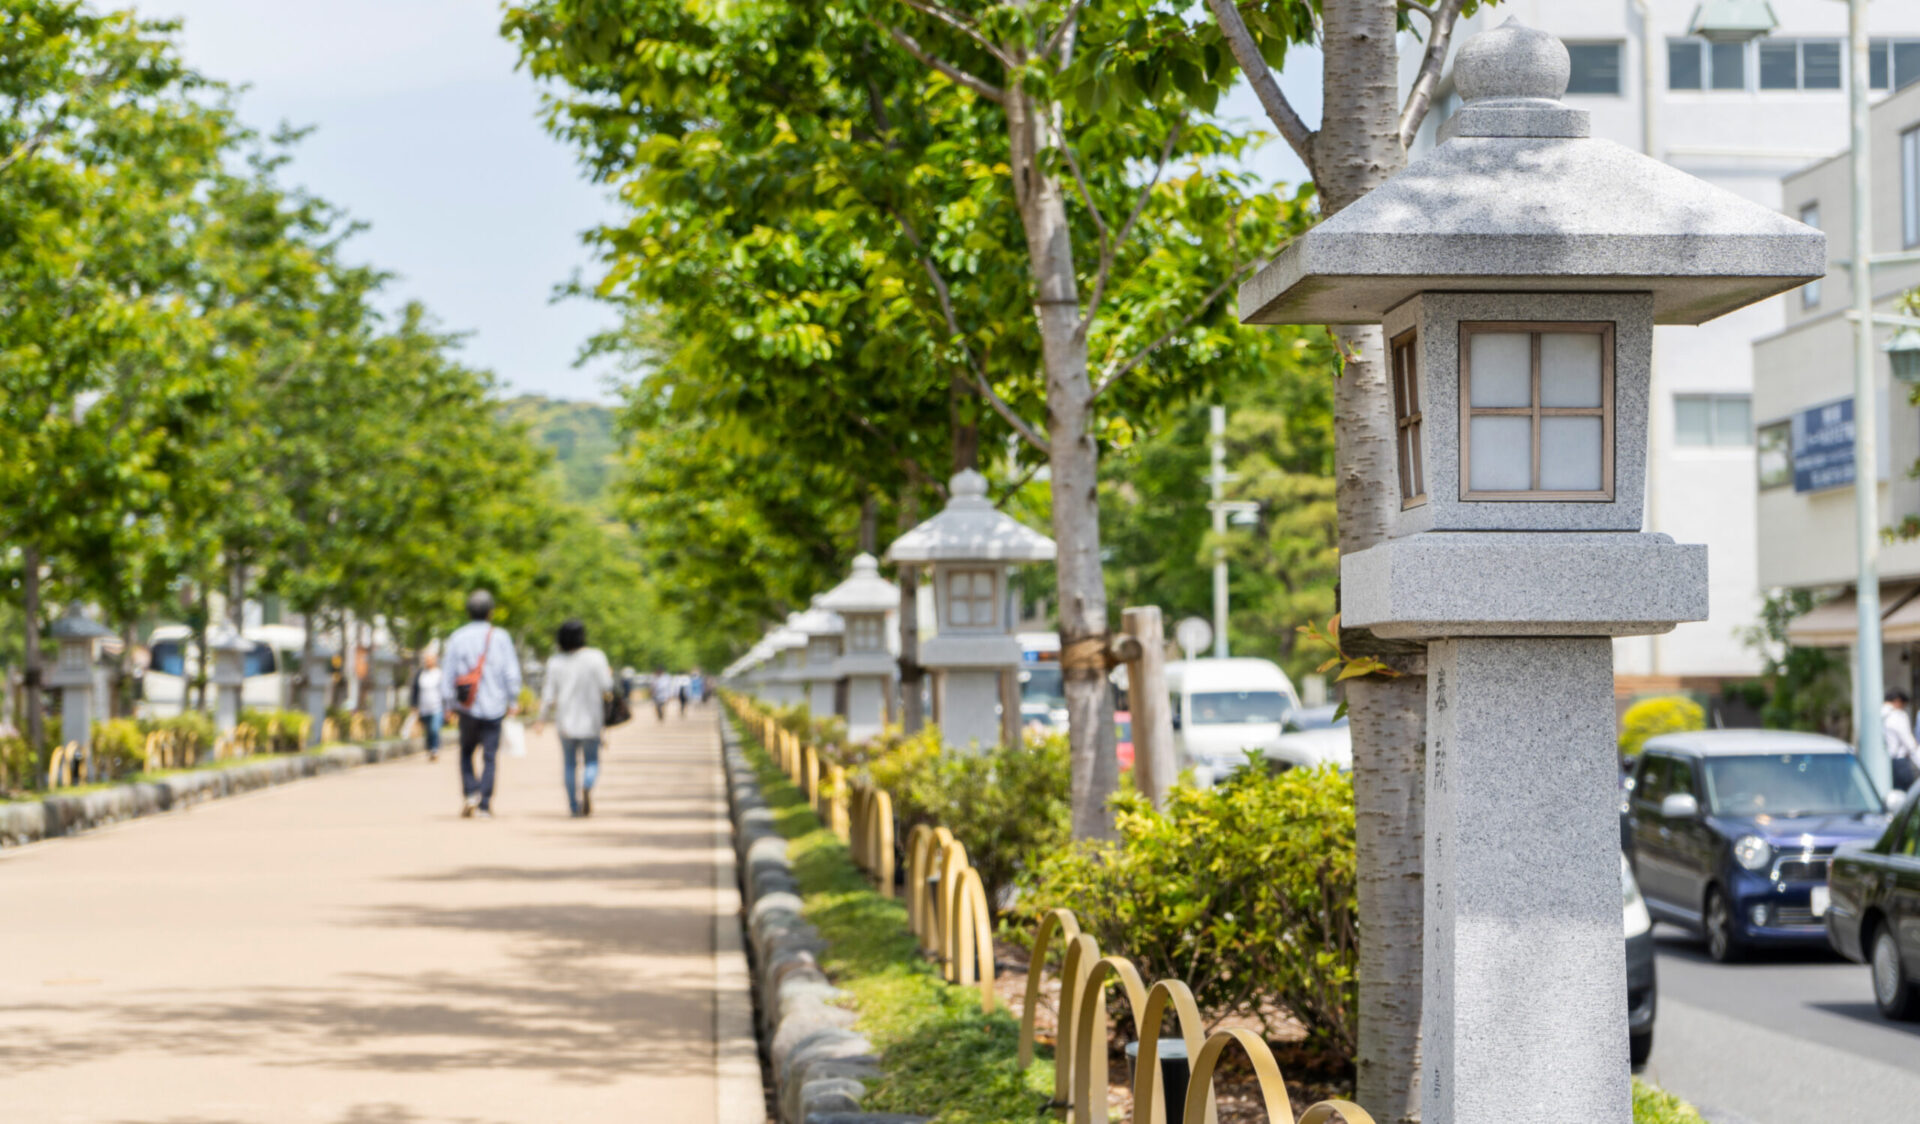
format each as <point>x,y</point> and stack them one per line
<point>947,912</point>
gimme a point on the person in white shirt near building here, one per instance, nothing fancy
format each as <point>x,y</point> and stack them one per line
<point>1896,720</point>
<point>428,703</point>
<point>574,698</point>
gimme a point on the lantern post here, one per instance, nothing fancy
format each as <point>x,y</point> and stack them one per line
<point>1518,270</point>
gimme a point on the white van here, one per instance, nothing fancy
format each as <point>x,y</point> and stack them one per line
<point>270,667</point>
<point>1222,708</point>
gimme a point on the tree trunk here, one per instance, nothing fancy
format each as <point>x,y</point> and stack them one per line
<point>363,667</point>
<point>1074,459</point>
<point>200,622</point>
<point>912,714</point>
<point>869,525</point>
<point>966,433</point>
<point>1358,149</point>
<point>32,668</point>
<point>126,689</point>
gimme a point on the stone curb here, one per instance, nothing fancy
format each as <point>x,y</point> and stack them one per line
<point>820,1065</point>
<point>57,816</point>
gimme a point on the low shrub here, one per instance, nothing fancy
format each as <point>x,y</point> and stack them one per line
<point>19,764</point>
<point>1245,891</point>
<point>277,731</point>
<point>1008,805</point>
<point>191,729</point>
<point>1668,714</point>
<point>119,747</point>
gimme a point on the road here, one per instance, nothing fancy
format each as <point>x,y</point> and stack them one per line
<point>1786,1038</point>
<point>347,950</point>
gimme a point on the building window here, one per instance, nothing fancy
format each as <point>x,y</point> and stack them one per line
<point>1713,420</point>
<point>1695,64</point>
<point>970,599</point>
<point>864,632</point>
<point>1810,292</point>
<point>1596,68</point>
<point>1536,408</point>
<point>1773,454</point>
<point>1407,415</point>
<point>1799,64</point>
<point>1910,187</point>
<point>1893,63</point>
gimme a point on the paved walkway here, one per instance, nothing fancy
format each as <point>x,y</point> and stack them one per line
<point>346,950</point>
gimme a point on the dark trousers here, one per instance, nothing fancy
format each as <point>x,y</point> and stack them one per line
<point>482,734</point>
<point>1904,773</point>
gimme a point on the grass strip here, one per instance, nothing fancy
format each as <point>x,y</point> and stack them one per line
<point>942,1056</point>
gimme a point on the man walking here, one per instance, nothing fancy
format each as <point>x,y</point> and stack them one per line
<point>1896,721</point>
<point>662,688</point>
<point>480,682</point>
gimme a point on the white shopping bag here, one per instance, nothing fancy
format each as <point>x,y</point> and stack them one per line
<point>513,738</point>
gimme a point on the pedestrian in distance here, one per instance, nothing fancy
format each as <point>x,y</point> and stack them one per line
<point>661,687</point>
<point>428,703</point>
<point>697,686</point>
<point>575,696</point>
<point>480,682</point>
<point>1903,752</point>
<point>683,686</point>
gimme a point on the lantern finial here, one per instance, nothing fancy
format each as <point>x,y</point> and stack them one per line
<point>1512,61</point>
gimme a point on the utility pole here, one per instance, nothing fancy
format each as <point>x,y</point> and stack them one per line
<point>1869,678</point>
<point>1218,477</point>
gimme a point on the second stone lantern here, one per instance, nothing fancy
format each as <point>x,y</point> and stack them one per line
<point>973,654</point>
<point>824,631</point>
<point>1518,270</point>
<point>866,661</point>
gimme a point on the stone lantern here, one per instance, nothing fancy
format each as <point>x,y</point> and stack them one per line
<point>866,662</point>
<point>316,673</point>
<point>77,637</point>
<point>1518,270</point>
<point>824,632</point>
<point>229,651</point>
<point>384,662</point>
<point>786,657</point>
<point>972,547</point>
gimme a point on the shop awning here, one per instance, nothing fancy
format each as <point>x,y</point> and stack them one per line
<point>1835,623</point>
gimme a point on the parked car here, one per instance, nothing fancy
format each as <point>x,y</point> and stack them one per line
<point>1043,692</point>
<point>1642,987</point>
<point>1874,915</point>
<point>270,668</point>
<point>1123,739</point>
<point>1732,831</point>
<point>1223,708</point>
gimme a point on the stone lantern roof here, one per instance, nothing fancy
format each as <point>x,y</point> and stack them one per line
<point>76,625</point>
<point>227,638</point>
<point>971,529</point>
<point>818,621</point>
<point>1519,197</point>
<point>786,636</point>
<point>865,592</point>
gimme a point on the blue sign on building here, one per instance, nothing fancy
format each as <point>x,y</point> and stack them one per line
<point>1823,447</point>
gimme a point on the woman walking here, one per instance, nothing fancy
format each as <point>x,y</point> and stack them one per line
<point>578,678</point>
<point>428,704</point>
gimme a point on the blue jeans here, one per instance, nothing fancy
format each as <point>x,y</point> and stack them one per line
<point>572,749</point>
<point>430,723</point>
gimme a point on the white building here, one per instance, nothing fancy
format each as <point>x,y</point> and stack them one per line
<point>1742,116</point>
<point>1803,395</point>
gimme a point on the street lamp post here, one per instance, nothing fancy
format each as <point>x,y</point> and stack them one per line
<point>1218,478</point>
<point>1869,676</point>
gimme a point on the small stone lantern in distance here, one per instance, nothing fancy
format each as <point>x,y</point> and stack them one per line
<point>972,547</point>
<point>316,675</point>
<point>77,637</point>
<point>823,630</point>
<point>788,652</point>
<point>229,650</point>
<point>866,662</point>
<point>1518,270</point>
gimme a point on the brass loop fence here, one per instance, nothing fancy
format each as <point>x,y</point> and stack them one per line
<point>948,914</point>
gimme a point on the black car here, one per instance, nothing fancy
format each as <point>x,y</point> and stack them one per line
<point>1731,832</point>
<point>1875,913</point>
<point>1642,990</point>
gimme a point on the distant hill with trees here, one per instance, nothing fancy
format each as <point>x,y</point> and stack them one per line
<point>580,436</point>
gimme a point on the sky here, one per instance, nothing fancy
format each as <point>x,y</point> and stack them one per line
<point>424,130</point>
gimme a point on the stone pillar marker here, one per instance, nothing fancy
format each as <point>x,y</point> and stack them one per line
<point>865,601</point>
<point>77,637</point>
<point>824,631</point>
<point>229,650</point>
<point>316,674</point>
<point>972,548</point>
<point>384,661</point>
<point>1518,270</point>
